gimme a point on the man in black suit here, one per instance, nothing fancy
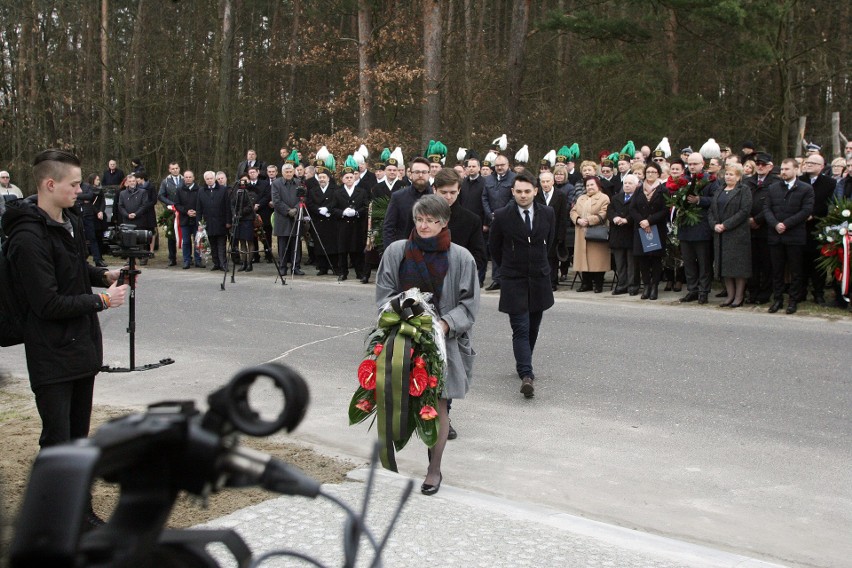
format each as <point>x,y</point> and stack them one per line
<point>214,212</point>
<point>251,160</point>
<point>265,207</point>
<point>760,283</point>
<point>823,186</point>
<point>398,220</point>
<point>465,228</point>
<point>349,206</point>
<point>113,176</point>
<point>168,194</point>
<point>557,201</point>
<point>520,235</point>
<point>789,203</point>
<point>470,196</point>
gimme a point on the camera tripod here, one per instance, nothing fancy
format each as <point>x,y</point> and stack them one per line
<point>128,275</point>
<point>304,216</point>
<point>234,247</point>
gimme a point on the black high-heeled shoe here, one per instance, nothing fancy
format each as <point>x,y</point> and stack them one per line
<point>427,489</point>
<point>726,304</point>
<point>737,304</point>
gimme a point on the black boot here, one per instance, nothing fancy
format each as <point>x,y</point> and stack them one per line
<point>654,291</point>
<point>243,268</point>
<point>249,268</point>
<point>585,282</point>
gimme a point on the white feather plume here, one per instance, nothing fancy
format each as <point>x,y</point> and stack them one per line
<point>322,153</point>
<point>363,152</point>
<point>358,157</point>
<point>665,147</point>
<point>461,154</point>
<point>710,150</point>
<point>551,157</point>
<point>490,157</point>
<point>502,142</point>
<point>523,155</point>
<point>397,154</point>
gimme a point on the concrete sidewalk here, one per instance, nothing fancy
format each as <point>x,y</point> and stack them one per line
<point>458,527</point>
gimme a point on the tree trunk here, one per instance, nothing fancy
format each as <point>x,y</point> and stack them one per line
<point>671,53</point>
<point>131,81</point>
<point>365,68</point>
<point>432,62</point>
<point>105,106</point>
<point>467,113</point>
<point>291,55</point>
<point>517,49</point>
<point>223,108</point>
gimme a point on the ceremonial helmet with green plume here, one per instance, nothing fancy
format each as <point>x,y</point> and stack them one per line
<point>436,151</point>
<point>383,159</point>
<point>350,166</point>
<point>293,158</point>
<point>627,152</point>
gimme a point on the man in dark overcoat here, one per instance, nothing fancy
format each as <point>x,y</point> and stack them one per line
<point>214,212</point>
<point>760,283</point>
<point>557,201</point>
<point>520,235</point>
<point>465,227</point>
<point>823,196</point>
<point>167,195</point>
<point>621,229</point>
<point>187,205</point>
<point>398,220</point>
<point>788,205</point>
<point>319,201</point>
<point>496,194</point>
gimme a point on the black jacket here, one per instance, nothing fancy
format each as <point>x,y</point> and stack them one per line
<point>524,269</point>
<point>214,210</point>
<point>792,208</point>
<point>466,231</point>
<point>53,283</point>
<point>187,199</point>
<point>112,178</point>
<point>655,211</point>
<point>135,202</point>
<point>620,236</point>
<point>823,196</point>
<point>559,204</point>
<point>398,220</point>
<point>470,195</point>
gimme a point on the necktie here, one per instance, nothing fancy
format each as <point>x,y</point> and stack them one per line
<point>527,220</point>
<point>626,197</point>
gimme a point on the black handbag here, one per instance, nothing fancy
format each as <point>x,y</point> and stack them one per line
<point>597,234</point>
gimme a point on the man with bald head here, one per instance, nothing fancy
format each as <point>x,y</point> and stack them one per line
<point>823,186</point>
<point>696,241</point>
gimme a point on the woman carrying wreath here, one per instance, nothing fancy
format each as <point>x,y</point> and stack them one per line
<point>428,261</point>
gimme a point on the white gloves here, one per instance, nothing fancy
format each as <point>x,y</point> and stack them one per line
<point>324,212</point>
<point>349,212</point>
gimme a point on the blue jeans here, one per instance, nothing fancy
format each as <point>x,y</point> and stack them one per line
<point>188,231</point>
<point>524,335</point>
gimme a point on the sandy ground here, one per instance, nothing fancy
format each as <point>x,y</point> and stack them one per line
<point>19,430</point>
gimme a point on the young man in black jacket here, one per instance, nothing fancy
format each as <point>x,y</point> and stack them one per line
<point>53,283</point>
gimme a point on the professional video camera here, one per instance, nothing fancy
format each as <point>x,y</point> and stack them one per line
<point>153,457</point>
<point>126,241</point>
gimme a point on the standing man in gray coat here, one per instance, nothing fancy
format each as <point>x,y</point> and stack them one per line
<point>287,205</point>
<point>496,194</point>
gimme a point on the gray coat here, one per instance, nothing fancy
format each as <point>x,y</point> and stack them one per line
<point>459,306</point>
<point>732,248</point>
<point>285,196</point>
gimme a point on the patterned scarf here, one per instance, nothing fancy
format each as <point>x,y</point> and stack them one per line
<point>425,263</point>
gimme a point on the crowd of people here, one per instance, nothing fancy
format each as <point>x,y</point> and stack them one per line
<point>742,218</point>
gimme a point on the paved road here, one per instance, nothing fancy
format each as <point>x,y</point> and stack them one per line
<point>725,428</point>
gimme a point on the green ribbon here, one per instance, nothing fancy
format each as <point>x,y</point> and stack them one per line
<point>406,325</point>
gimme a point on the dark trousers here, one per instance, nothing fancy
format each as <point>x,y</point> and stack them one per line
<point>554,270</point>
<point>286,247</point>
<point>343,260</point>
<point>189,249</point>
<point>810,272</point>
<point>172,250</point>
<point>697,264</point>
<point>760,283</point>
<point>91,238</point>
<point>495,267</point>
<point>625,269</point>
<point>65,409</point>
<point>524,335</point>
<point>650,268</point>
<point>787,258</point>
<point>218,250</point>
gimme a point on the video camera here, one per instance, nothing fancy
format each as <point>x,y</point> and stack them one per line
<point>153,457</point>
<point>126,241</point>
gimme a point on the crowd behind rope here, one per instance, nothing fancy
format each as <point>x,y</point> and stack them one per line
<point>751,226</point>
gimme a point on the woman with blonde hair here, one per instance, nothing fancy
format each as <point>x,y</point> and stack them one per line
<point>728,215</point>
<point>591,257</point>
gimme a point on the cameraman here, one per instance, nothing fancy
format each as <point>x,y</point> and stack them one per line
<point>53,284</point>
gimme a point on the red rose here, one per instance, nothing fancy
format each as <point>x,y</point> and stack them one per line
<point>681,182</point>
<point>838,274</point>
<point>419,362</point>
<point>428,413</point>
<point>364,405</point>
<point>377,350</point>
<point>411,353</point>
<point>417,381</point>
<point>433,382</point>
<point>699,175</point>
<point>827,250</point>
<point>367,374</point>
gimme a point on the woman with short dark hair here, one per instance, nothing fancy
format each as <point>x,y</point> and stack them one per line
<point>427,260</point>
<point>648,209</point>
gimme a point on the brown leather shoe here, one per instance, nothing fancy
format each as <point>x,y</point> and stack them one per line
<point>527,388</point>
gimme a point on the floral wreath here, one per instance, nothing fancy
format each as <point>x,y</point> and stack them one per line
<point>402,376</point>
<point>833,232</point>
<point>684,213</point>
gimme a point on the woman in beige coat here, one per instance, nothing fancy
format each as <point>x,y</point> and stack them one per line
<point>591,258</point>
